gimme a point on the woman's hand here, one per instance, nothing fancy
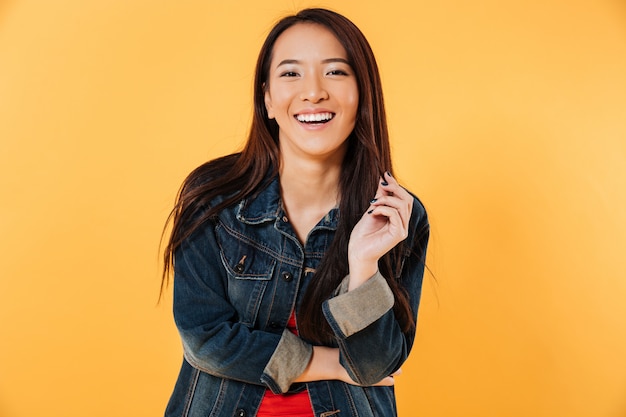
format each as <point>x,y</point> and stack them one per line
<point>385,382</point>
<point>325,365</point>
<point>383,226</point>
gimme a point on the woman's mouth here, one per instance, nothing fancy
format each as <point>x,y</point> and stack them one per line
<point>311,118</point>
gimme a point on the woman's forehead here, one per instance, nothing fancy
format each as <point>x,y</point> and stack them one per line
<point>307,41</point>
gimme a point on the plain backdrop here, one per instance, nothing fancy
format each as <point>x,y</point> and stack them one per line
<point>508,119</point>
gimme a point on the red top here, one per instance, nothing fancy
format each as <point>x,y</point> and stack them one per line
<point>292,405</point>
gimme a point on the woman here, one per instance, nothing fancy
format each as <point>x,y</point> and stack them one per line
<point>298,262</point>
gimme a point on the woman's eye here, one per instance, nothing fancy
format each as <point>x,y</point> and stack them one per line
<point>337,72</point>
<point>289,74</point>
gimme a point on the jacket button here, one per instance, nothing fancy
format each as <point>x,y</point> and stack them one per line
<point>287,276</point>
<point>240,413</point>
<point>239,268</point>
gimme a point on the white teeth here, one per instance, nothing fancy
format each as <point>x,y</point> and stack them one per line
<point>317,117</point>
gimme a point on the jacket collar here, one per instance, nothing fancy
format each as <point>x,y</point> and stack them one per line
<point>263,206</point>
<point>267,205</point>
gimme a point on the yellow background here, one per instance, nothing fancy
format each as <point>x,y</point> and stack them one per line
<point>508,119</point>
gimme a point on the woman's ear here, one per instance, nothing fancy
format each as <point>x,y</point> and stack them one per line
<point>268,102</point>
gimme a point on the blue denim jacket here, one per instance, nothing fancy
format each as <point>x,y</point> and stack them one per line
<point>236,282</point>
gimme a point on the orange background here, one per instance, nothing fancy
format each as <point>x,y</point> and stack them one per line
<point>508,119</point>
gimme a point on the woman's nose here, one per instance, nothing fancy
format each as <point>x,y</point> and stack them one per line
<point>313,90</point>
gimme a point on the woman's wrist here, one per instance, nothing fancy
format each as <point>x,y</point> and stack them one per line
<point>360,272</point>
<point>323,365</point>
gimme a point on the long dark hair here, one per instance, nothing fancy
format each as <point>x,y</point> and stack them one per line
<point>239,175</point>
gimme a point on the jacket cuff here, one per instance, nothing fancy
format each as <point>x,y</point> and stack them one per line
<point>351,311</point>
<point>289,360</point>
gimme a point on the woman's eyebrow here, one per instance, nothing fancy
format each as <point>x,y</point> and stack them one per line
<point>324,61</point>
<point>331,60</point>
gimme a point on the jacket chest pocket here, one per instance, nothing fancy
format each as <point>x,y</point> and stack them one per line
<point>249,273</point>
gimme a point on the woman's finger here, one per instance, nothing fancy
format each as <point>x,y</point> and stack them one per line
<point>403,207</point>
<point>389,185</point>
<point>395,222</point>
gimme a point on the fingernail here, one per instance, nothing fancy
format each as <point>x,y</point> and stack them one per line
<point>389,174</point>
<point>384,183</point>
<point>370,212</point>
<point>373,200</point>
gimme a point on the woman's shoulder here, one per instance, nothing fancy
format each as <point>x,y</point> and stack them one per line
<point>419,226</point>
<point>419,209</point>
<point>206,188</point>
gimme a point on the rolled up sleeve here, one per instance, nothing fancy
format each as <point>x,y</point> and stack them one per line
<point>351,311</point>
<point>290,359</point>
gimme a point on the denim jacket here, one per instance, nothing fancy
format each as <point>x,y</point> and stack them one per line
<point>236,282</point>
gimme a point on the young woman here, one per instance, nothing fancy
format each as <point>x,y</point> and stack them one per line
<point>298,262</point>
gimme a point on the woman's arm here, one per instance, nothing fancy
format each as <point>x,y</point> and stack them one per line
<point>214,340</point>
<point>371,342</point>
<point>325,365</point>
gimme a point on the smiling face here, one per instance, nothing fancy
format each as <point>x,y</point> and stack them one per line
<point>312,93</point>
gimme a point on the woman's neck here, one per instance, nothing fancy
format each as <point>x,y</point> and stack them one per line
<point>309,191</point>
